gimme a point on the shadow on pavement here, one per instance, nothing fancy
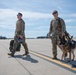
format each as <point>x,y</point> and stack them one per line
<point>28,58</point>
<point>73,63</point>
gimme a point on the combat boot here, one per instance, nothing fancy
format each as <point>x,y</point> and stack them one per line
<point>10,54</point>
<point>55,57</point>
<point>26,53</point>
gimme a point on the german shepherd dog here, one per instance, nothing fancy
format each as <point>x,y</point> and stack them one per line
<point>68,45</point>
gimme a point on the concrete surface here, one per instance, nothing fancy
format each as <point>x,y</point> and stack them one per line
<point>32,64</point>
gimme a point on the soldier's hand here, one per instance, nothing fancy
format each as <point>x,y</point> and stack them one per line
<point>63,34</point>
<point>50,37</point>
<point>21,36</point>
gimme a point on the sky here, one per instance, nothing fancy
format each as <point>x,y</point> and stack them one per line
<point>37,15</point>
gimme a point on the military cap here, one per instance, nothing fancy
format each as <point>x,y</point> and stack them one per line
<point>55,11</point>
<point>19,14</point>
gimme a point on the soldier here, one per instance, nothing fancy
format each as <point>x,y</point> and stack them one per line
<point>19,34</point>
<point>57,28</point>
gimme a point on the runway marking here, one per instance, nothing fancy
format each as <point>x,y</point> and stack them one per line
<point>55,61</point>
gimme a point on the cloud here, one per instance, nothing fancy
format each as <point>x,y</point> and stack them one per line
<point>8,17</point>
<point>9,13</point>
<point>71,26</point>
<point>69,15</point>
<point>8,20</point>
<point>35,15</point>
<point>73,15</point>
<point>69,20</point>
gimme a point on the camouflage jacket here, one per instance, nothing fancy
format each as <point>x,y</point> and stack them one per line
<point>57,28</point>
<point>20,27</point>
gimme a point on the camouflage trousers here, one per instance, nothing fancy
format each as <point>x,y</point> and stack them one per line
<point>55,40</point>
<point>16,44</point>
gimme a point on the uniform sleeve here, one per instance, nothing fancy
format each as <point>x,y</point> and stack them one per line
<point>50,30</point>
<point>23,27</point>
<point>63,26</point>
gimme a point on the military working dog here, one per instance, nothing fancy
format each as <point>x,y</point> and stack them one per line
<point>67,45</point>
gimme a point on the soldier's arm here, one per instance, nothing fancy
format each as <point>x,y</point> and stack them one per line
<point>50,30</point>
<point>22,27</point>
<point>63,26</point>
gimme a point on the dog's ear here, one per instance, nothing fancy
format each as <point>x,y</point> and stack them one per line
<point>71,37</point>
<point>65,32</point>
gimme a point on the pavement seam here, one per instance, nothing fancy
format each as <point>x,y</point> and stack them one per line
<point>40,57</point>
<point>18,61</point>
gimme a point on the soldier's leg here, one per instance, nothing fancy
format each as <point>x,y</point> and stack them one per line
<point>15,45</point>
<point>25,45</point>
<point>54,46</point>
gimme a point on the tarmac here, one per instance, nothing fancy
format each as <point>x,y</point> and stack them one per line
<point>38,62</point>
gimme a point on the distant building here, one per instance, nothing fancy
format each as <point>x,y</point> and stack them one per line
<point>42,37</point>
<point>3,37</point>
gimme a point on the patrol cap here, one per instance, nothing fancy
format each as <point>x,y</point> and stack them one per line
<point>55,11</point>
<point>19,14</point>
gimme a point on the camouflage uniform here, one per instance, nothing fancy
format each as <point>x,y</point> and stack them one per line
<point>20,27</point>
<point>56,30</point>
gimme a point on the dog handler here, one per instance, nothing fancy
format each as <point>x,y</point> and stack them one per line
<point>19,33</point>
<point>57,28</point>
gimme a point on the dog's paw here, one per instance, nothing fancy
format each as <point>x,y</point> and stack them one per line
<point>69,60</point>
<point>72,59</point>
<point>61,59</point>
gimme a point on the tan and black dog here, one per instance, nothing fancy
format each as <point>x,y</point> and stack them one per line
<point>67,45</point>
